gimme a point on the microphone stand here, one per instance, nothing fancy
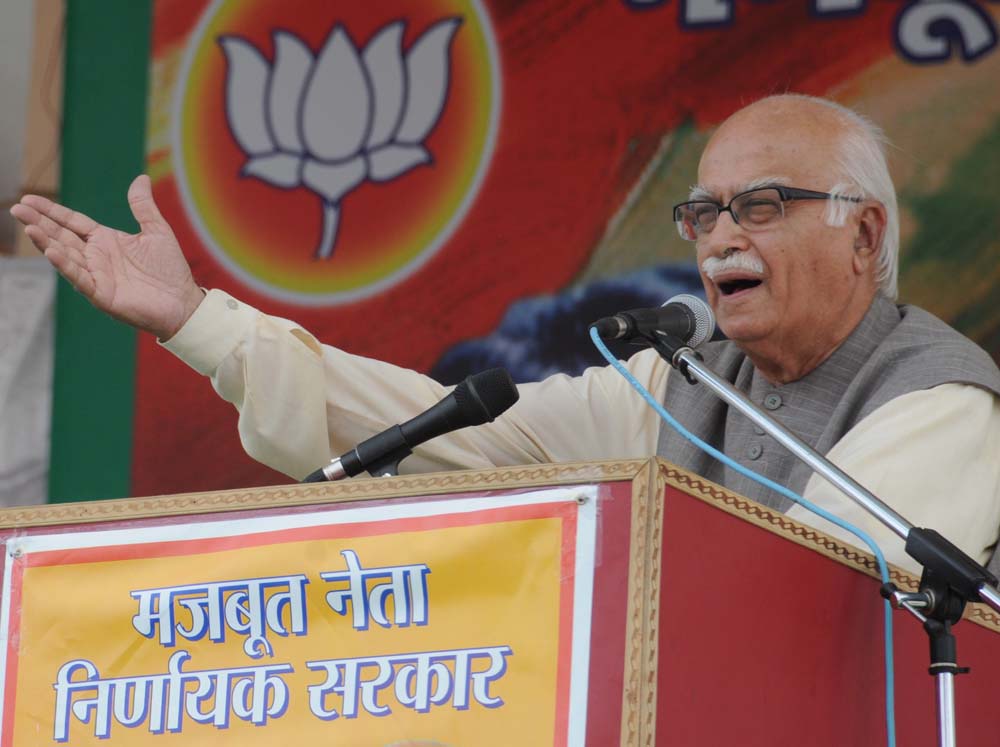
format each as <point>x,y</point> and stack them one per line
<point>950,578</point>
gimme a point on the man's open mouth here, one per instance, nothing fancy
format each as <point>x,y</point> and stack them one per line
<point>729,287</point>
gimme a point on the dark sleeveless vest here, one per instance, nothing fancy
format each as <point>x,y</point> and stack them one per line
<point>893,351</point>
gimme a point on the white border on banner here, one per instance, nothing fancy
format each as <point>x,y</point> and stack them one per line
<point>583,588</point>
<point>586,535</point>
<point>5,613</point>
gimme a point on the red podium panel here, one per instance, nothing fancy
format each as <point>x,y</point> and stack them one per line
<point>605,603</point>
<point>771,633</point>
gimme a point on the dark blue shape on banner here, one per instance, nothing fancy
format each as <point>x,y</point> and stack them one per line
<point>544,335</point>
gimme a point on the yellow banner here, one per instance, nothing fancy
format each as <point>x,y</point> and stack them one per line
<point>440,623</point>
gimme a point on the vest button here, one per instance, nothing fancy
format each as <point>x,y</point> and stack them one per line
<point>754,451</point>
<point>772,401</point>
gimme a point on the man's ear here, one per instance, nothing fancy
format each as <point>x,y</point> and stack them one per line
<point>870,227</point>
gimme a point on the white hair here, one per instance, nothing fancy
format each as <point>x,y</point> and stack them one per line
<point>864,172</point>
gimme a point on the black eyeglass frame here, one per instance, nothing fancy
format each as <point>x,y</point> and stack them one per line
<point>787,194</point>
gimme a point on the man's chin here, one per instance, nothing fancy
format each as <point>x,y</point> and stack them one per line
<point>742,330</point>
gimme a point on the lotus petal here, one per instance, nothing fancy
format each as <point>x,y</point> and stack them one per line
<point>333,181</point>
<point>427,75</point>
<point>337,111</point>
<point>383,59</point>
<point>392,160</point>
<point>277,169</point>
<point>246,84</point>
<point>292,62</point>
<point>331,222</point>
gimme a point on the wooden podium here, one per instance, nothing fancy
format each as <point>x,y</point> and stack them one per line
<point>605,603</point>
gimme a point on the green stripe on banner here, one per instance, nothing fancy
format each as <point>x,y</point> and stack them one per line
<point>104,117</point>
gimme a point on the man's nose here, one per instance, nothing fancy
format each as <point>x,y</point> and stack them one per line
<point>727,236</point>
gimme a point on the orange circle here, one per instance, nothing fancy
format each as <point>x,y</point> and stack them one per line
<point>267,235</point>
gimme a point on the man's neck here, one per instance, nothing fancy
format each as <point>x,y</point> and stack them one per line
<point>784,371</point>
<point>783,360</point>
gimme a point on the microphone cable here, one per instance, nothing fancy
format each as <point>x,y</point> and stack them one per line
<point>890,690</point>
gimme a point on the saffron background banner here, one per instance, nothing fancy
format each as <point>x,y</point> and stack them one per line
<point>522,193</point>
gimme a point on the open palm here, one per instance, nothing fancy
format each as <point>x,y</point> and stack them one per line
<point>142,279</point>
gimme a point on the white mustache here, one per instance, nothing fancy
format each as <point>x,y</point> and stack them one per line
<point>713,266</point>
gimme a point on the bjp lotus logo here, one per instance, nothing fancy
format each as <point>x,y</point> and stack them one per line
<point>323,161</point>
<point>332,122</point>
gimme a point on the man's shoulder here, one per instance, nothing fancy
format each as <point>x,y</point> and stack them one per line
<point>921,333</point>
<point>924,346</point>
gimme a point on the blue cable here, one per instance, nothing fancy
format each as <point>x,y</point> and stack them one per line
<point>890,696</point>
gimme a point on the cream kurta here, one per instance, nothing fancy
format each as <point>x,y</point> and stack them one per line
<point>933,455</point>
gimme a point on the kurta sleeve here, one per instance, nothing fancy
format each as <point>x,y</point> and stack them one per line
<point>300,402</point>
<point>931,455</point>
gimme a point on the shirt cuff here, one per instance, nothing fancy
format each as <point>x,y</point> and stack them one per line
<point>212,332</point>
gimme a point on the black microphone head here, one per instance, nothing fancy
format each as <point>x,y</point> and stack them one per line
<point>701,312</point>
<point>483,396</point>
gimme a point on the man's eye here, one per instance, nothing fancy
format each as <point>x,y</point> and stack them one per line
<point>760,210</point>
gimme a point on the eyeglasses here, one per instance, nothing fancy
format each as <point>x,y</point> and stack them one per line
<point>752,209</point>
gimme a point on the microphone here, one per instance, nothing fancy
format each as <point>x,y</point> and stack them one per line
<point>477,400</point>
<point>685,317</point>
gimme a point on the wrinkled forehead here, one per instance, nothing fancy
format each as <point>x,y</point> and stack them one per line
<point>800,150</point>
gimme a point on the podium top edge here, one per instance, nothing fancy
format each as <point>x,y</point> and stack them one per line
<point>357,489</point>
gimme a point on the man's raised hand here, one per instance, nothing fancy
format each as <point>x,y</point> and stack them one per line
<point>142,279</point>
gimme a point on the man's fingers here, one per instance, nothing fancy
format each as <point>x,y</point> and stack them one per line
<point>27,215</point>
<point>38,237</point>
<point>61,257</point>
<point>140,200</point>
<point>53,230</point>
<point>78,223</point>
<point>42,240</point>
<point>77,275</point>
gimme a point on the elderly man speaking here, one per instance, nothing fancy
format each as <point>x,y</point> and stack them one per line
<point>795,223</point>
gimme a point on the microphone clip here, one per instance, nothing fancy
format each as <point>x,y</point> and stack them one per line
<point>383,453</point>
<point>670,349</point>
